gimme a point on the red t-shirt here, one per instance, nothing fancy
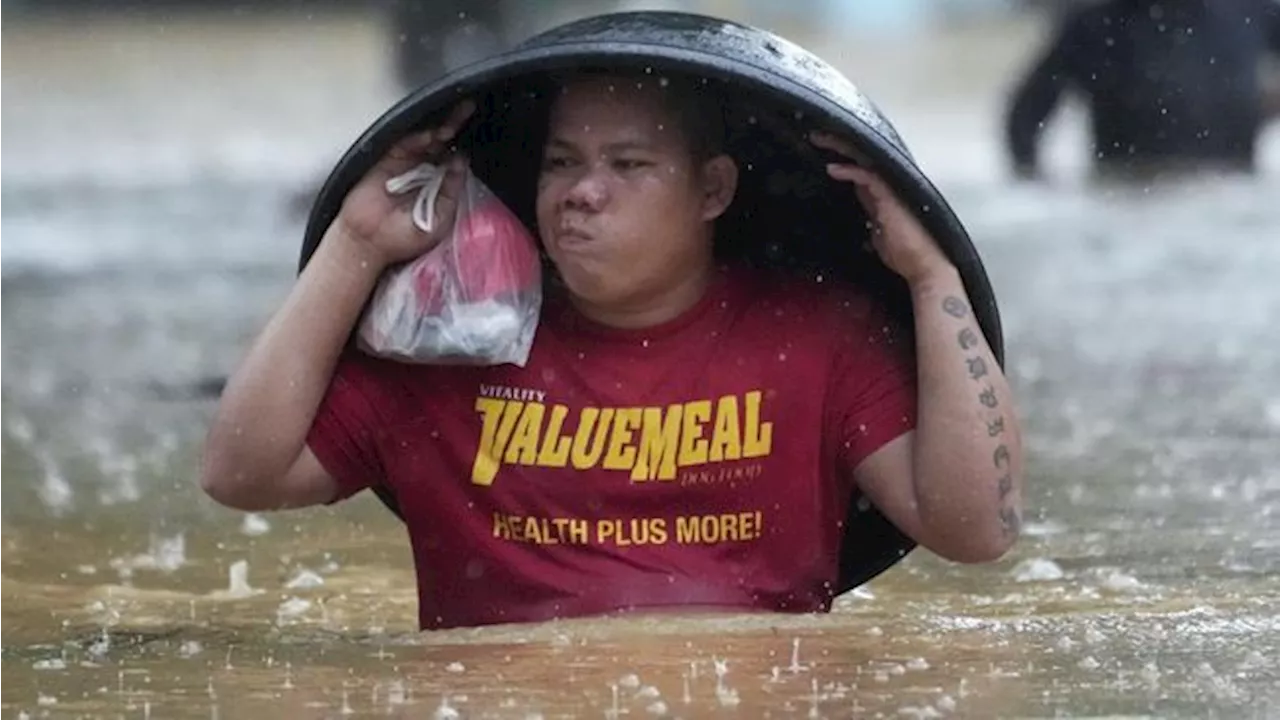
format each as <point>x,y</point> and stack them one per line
<point>703,462</point>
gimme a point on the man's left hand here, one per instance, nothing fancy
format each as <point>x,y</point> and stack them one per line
<point>898,237</point>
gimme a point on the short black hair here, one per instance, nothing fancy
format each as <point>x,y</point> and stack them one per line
<point>696,103</point>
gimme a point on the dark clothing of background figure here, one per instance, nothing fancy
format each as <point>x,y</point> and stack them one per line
<point>1174,81</point>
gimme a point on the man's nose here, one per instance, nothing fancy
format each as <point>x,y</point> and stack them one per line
<point>589,192</point>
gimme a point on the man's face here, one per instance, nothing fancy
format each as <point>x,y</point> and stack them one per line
<point>622,207</point>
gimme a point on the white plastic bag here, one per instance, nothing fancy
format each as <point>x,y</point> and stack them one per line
<point>473,299</point>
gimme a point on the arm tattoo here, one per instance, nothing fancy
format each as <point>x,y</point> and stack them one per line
<point>977,367</point>
<point>955,307</point>
<point>988,397</point>
<point>1000,457</point>
<point>995,427</point>
<point>968,338</point>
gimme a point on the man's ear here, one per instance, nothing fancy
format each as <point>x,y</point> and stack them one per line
<point>719,183</point>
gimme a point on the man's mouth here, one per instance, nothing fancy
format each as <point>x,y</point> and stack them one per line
<point>573,236</point>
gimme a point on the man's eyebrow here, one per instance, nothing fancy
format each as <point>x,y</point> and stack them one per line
<point>625,145</point>
<point>616,147</point>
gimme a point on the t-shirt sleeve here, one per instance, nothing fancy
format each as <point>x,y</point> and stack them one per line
<point>343,435</point>
<point>872,391</point>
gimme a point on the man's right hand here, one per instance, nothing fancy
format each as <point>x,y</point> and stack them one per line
<point>383,223</point>
<point>256,455</point>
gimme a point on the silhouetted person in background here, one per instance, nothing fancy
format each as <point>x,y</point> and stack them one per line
<point>1170,84</point>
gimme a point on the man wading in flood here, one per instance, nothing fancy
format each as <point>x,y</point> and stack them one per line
<point>575,485</point>
<point>1172,85</point>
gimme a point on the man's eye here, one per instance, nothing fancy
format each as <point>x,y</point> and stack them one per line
<point>555,162</point>
<point>630,163</point>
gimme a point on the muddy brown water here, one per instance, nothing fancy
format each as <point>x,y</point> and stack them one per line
<point>146,239</point>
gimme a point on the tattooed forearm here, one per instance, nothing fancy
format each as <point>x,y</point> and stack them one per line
<point>980,371</point>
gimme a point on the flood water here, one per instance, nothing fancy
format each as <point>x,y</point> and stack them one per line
<point>147,177</point>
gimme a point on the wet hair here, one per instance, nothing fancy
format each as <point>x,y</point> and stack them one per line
<point>696,104</point>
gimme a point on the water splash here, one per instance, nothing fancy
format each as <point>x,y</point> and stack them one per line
<point>291,610</point>
<point>238,583</point>
<point>54,490</point>
<point>304,580</point>
<point>254,525</point>
<point>165,554</point>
